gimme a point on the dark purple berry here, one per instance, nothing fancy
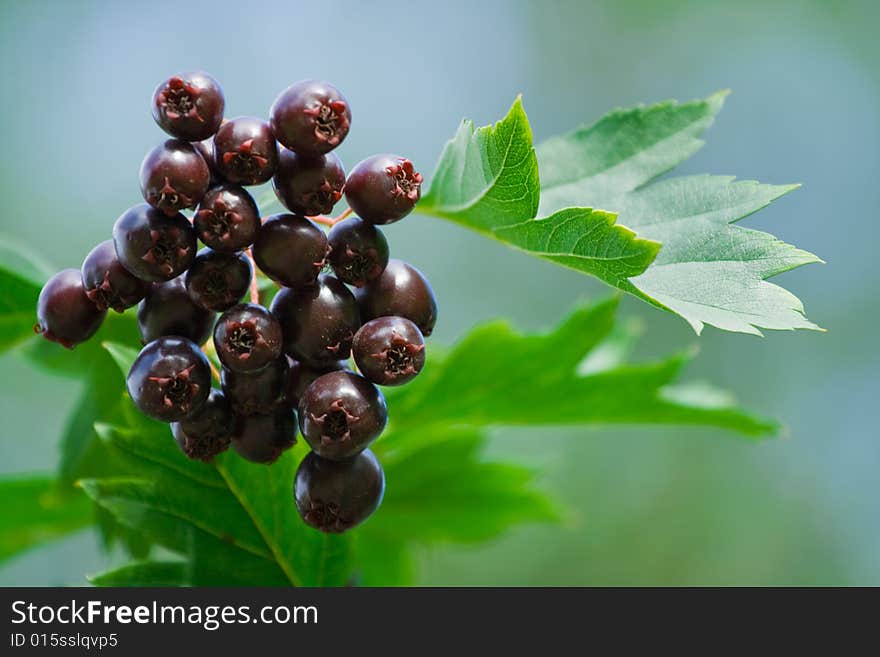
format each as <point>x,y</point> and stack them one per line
<point>206,434</point>
<point>400,291</point>
<point>310,117</point>
<point>107,283</point>
<point>170,379</point>
<point>217,281</point>
<point>318,322</point>
<point>189,105</point>
<point>174,176</point>
<point>309,185</point>
<point>291,250</point>
<point>263,438</point>
<point>335,496</point>
<point>358,251</point>
<point>245,151</point>
<point>340,414</point>
<point>64,313</point>
<point>206,150</point>
<point>247,338</point>
<point>383,188</point>
<point>300,376</point>
<point>227,219</point>
<point>256,392</point>
<point>389,351</point>
<point>169,310</point>
<point>152,245</point>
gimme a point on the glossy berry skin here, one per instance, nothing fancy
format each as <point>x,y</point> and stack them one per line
<point>389,351</point>
<point>340,414</point>
<point>335,496</point>
<point>207,433</point>
<point>300,376</point>
<point>358,251</point>
<point>107,283</point>
<point>263,438</point>
<point>174,176</point>
<point>310,117</point>
<point>64,313</point>
<point>227,219</point>
<point>206,150</point>
<point>402,291</point>
<point>256,392</point>
<point>309,185</point>
<point>318,322</point>
<point>170,379</point>
<point>169,310</point>
<point>291,250</point>
<point>245,151</point>
<point>189,105</point>
<point>153,246</point>
<point>217,281</point>
<point>247,338</point>
<point>383,189</point>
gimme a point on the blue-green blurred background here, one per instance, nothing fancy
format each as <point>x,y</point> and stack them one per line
<point>650,506</point>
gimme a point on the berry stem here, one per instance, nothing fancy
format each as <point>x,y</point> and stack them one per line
<point>255,289</point>
<point>331,221</point>
<point>214,371</point>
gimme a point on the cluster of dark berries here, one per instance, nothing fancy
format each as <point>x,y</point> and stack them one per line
<point>285,367</point>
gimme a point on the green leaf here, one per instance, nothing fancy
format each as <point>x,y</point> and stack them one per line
<point>121,354</point>
<point>146,573</point>
<point>34,513</point>
<point>18,299</point>
<point>673,244</point>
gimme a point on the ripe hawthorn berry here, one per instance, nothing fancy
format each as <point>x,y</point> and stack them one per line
<point>263,438</point>
<point>261,391</point>
<point>335,496</point>
<point>170,379</point>
<point>358,251</point>
<point>189,105</point>
<point>389,351</point>
<point>291,250</point>
<point>340,414</point>
<point>107,283</point>
<point>227,219</point>
<point>310,117</point>
<point>207,433</point>
<point>383,188</point>
<point>154,246</point>
<point>65,314</point>
<point>168,309</point>
<point>174,176</point>
<point>309,185</point>
<point>318,322</point>
<point>247,338</point>
<point>206,150</point>
<point>245,151</point>
<point>301,375</point>
<point>217,281</point>
<point>402,291</point>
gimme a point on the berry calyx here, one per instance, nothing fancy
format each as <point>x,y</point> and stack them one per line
<point>335,496</point>
<point>227,219</point>
<point>189,105</point>
<point>318,322</point>
<point>207,433</point>
<point>245,151</point>
<point>170,379</point>
<point>389,351</point>
<point>291,250</point>
<point>383,189</point>
<point>340,414</point>
<point>263,438</point>
<point>174,176</point>
<point>403,291</point>
<point>153,246</point>
<point>309,185</point>
<point>262,391</point>
<point>310,117</point>
<point>65,314</point>
<point>168,309</point>
<point>247,338</point>
<point>107,283</point>
<point>358,251</point>
<point>217,281</point>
